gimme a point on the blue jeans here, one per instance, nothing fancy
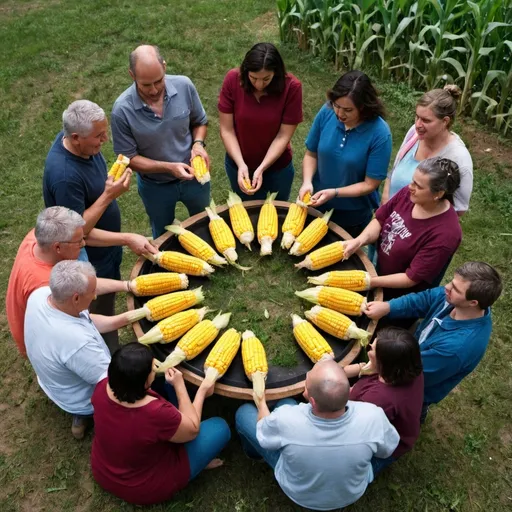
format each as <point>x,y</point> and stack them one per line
<point>245,421</point>
<point>279,181</point>
<point>214,435</point>
<point>160,200</point>
<point>379,464</point>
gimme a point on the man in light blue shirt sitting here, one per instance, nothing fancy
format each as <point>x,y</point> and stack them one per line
<point>160,124</point>
<point>63,341</point>
<point>322,451</point>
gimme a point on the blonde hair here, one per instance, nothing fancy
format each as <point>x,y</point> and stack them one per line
<point>442,102</point>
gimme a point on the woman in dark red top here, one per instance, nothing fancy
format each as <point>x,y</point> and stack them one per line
<point>417,231</point>
<point>145,449</point>
<point>260,106</point>
<point>395,385</point>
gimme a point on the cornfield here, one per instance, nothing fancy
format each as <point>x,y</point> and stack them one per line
<point>425,43</point>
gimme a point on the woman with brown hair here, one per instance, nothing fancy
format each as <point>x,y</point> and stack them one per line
<point>429,137</point>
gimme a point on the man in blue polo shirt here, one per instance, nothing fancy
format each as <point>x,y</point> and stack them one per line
<point>160,124</point>
<point>456,325</point>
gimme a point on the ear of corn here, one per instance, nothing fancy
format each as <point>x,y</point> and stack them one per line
<point>255,362</point>
<point>323,257</point>
<point>293,224</point>
<point>337,324</point>
<point>240,221</point>
<point>247,183</point>
<point>306,199</point>
<point>221,355</point>
<point>355,280</point>
<point>119,167</point>
<point>195,341</point>
<point>158,283</point>
<point>196,245</point>
<point>180,262</point>
<point>267,225</point>
<point>201,171</point>
<point>173,327</point>
<point>310,340</point>
<point>167,305</point>
<point>343,301</point>
<point>221,234</point>
<point>311,235</point>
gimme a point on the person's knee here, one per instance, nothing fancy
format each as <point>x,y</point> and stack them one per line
<point>244,412</point>
<point>221,429</point>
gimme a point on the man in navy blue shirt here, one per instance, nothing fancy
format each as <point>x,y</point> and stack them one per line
<point>456,325</point>
<point>75,176</point>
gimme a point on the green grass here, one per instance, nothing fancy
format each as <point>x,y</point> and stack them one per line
<point>54,52</point>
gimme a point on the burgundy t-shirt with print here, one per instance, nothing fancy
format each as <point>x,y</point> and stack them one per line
<point>419,247</point>
<point>402,405</point>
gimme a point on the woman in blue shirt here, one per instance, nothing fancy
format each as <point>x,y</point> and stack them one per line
<point>347,153</point>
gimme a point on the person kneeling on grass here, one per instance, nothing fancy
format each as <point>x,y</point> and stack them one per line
<point>145,449</point>
<point>393,381</point>
<point>456,326</point>
<point>321,452</point>
<point>63,341</point>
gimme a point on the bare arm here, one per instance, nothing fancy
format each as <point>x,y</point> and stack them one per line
<point>309,165</point>
<point>392,281</point>
<point>353,370</point>
<point>385,191</point>
<point>137,243</point>
<point>146,165</point>
<point>362,188</point>
<point>104,286</point>
<point>368,236</point>
<point>109,323</point>
<point>263,410</point>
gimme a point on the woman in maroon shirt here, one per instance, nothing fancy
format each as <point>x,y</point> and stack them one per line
<point>260,106</point>
<point>145,449</point>
<point>395,384</point>
<point>417,231</point>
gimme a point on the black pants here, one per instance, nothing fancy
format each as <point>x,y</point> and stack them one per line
<point>106,305</point>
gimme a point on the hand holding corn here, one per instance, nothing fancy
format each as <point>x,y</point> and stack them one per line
<point>201,171</point>
<point>120,165</point>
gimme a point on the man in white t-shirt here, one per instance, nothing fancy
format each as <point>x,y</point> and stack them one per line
<point>63,341</point>
<point>321,451</point>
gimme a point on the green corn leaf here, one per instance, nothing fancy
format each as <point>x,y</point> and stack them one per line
<point>484,51</point>
<point>456,64</point>
<point>494,24</point>
<point>453,37</point>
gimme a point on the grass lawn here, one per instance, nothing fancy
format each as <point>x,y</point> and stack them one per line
<point>54,52</point>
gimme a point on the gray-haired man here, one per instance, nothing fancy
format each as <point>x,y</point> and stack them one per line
<point>63,341</point>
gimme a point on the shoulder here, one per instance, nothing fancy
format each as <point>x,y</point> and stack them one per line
<point>457,151</point>
<point>379,127</point>
<point>39,296</point>
<point>292,82</point>
<point>232,76</point>
<point>179,82</point>
<point>326,114</point>
<point>124,100</point>
<point>363,410</point>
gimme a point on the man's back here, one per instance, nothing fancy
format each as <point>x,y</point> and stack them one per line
<point>325,463</point>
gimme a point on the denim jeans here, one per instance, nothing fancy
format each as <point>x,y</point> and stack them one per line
<point>279,181</point>
<point>214,435</point>
<point>245,420</point>
<point>379,464</point>
<point>160,199</point>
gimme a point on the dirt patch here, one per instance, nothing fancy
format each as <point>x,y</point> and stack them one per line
<point>15,8</point>
<point>264,27</point>
<point>505,436</point>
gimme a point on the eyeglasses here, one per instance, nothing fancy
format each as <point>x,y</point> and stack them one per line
<point>81,241</point>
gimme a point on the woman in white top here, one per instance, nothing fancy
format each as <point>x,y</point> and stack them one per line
<point>429,137</point>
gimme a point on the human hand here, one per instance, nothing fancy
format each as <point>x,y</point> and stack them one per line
<point>174,377</point>
<point>181,171</point>
<point>139,244</point>
<point>323,196</point>
<point>199,150</point>
<point>258,400</point>
<point>304,189</point>
<point>377,309</point>
<point>207,387</point>
<point>243,179</point>
<point>257,180</point>
<point>113,189</point>
<point>350,247</point>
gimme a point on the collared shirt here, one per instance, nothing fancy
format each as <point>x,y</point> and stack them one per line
<point>137,130</point>
<point>345,157</point>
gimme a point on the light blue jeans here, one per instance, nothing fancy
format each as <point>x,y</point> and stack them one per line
<point>160,199</point>
<point>245,421</point>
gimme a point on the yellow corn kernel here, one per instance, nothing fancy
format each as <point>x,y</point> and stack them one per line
<point>306,198</point>
<point>311,341</point>
<point>201,171</point>
<point>196,245</point>
<point>158,283</point>
<point>195,341</point>
<point>221,355</point>
<point>311,235</point>
<point>247,183</point>
<point>343,301</point>
<point>293,224</point>
<point>337,324</point>
<point>267,225</point>
<point>222,235</point>
<point>255,362</point>
<point>173,327</point>
<point>119,167</point>
<point>323,257</point>
<point>240,221</point>
<point>354,280</point>
<point>179,262</point>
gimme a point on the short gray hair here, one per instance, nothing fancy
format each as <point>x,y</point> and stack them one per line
<point>69,277</point>
<point>57,224</point>
<point>79,117</point>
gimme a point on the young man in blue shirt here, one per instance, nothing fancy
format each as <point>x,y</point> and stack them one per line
<point>456,325</point>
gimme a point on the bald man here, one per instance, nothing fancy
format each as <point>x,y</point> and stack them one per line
<point>160,124</point>
<point>321,451</point>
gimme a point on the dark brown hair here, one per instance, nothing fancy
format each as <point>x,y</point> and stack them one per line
<point>442,102</point>
<point>398,356</point>
<point>485,285</point>
<point>444,176</point>
<point>359,88</point>
<point>263,56</point>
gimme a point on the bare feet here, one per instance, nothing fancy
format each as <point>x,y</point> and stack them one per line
<point>215,463</point>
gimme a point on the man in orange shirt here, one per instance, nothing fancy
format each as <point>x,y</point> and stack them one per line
<point>58,236</point>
